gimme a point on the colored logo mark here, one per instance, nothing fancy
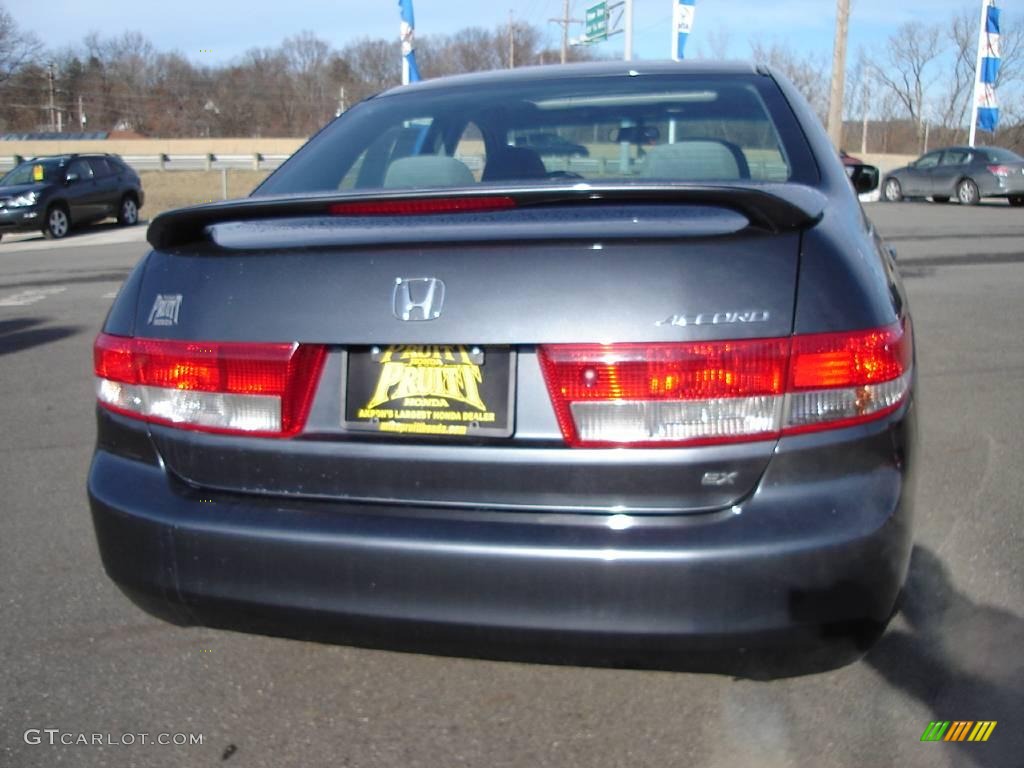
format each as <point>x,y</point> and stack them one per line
<point>958,730</point>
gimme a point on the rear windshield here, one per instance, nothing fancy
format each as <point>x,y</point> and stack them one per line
<point>647,128</point>
<point>999,155</point>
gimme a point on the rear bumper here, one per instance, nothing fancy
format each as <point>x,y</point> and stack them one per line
<point>997,186</point>
<point>812,546</point>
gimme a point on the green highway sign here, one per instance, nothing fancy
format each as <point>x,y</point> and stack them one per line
<point>597,22</point>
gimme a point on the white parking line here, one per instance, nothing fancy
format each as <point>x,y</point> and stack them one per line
<point>29,296</point>
<point>102,235</point>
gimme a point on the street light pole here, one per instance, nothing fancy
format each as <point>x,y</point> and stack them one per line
<point>627,52</point>
<point>565,30</point>
<point>835,102</point>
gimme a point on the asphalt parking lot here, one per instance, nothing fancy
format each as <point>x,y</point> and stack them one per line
<point>78,657</point>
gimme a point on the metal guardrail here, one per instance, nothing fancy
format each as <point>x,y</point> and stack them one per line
<point>209,162</point>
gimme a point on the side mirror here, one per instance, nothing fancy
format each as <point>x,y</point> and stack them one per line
<point>71,178</point>
<point>864,178</point>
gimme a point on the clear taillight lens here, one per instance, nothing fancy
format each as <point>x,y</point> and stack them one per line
<point>725,391</point>
<point>666,393</point>
<point>249,388</point>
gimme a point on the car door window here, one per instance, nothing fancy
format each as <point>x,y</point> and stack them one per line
<point>100,167</point>
<point>955,157</point>
<point>81,169</point>
<point>928,161</point>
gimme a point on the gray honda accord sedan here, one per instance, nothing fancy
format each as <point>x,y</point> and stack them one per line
<point>425,381</point>
<point>966,174</point>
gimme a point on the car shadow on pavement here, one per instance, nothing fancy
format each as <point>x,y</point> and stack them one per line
<point>25,333</point>
<point>964,660</point>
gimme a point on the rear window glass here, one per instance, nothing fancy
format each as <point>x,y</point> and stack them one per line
<point>646,129</point>
<point>998,155</point>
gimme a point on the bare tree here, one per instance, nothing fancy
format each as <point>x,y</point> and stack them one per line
<point>22,80</point>
<point>288,90</point>
<point>17,49</point>
<point>473,49</point>
<point>308,60</point>
<point>959,81</point>
<point>374,65</point>
<point>911,68</point>
<point>716,46</point>
<point>810,74</point>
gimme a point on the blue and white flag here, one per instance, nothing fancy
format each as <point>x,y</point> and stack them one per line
<point>988,68</point>
<point>682,23</point>
<point>407,31</point>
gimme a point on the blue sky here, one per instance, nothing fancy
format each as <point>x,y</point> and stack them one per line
<point>228,27</point>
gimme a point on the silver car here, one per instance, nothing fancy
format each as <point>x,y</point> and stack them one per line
<point>966,173</point>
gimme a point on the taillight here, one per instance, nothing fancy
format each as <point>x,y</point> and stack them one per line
<point>838,379</point>
<point>695,393</point>
<point>231,387</point>
<point>1000,170</point>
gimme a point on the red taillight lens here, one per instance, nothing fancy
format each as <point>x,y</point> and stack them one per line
<point>723,391</point>
<point>263,389</point>
<point>422,206</point>
<point>840,379</point>
<point>639,393</point>
<point>690,371</point>
<point>828,360</point>
<point>999,170</point>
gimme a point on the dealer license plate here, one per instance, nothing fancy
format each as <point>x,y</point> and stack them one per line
<point>430,390</point>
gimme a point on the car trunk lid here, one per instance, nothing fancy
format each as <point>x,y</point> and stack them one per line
<point>513,281</point>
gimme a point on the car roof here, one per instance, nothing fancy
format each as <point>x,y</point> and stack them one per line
<point>959,148</point>
<point>540,73</point>
<point>70,156</point>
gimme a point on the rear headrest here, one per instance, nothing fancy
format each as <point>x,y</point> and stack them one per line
<point>512,163</point>
<point>428,171</point>
<point>696,160</point>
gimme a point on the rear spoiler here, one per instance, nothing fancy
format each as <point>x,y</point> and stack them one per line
<point>772,207</point>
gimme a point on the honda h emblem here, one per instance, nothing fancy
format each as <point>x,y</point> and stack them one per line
<point>418,298</point>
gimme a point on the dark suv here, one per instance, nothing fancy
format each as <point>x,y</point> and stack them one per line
<point>53,194</point>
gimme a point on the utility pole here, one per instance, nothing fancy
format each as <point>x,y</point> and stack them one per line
<point>81,114</point>
<point>864,127</point>
<point>565,30</point>
<point>511,41</point>
<point>866,75</point>
<point>835,102</point>
<point>53,95</point>
<point>565,21</point>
